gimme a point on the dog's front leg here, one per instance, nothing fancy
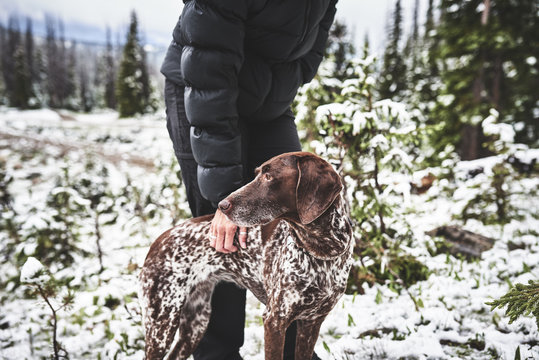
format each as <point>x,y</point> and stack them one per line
<point>274,331</point>
<point>306,337</point>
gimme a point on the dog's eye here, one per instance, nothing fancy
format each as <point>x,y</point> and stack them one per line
<point>267,177</point>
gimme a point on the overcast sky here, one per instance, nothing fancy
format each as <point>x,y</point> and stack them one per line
<point>85,20</point>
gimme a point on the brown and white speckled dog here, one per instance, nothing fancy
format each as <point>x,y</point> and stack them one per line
<point>296,262</point>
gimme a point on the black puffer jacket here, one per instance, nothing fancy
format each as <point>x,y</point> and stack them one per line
<point>241,59</point>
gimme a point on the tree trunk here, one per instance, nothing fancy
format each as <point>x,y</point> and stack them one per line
<point>486,12</point>
<point>472,134</point>
<point>469,142</point>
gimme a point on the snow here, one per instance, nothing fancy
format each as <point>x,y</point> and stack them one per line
<point>505,132</point>
<point>531,60</point>
<point>379,141</point>
<point>105,319</point>
<point>528,156</point>
<point>33,272</point>
<point>392,109</point>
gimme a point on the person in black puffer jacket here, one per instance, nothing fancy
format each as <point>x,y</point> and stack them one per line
<point>232,72</point>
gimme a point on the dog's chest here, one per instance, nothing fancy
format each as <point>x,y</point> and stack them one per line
<point>298,278</point>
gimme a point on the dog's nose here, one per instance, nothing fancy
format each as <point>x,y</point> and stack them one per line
<point>224,205</point>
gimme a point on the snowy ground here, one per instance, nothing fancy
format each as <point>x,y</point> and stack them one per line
<point>104,321</point>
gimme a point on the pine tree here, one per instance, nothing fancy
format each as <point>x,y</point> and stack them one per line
<point>110,74</point>
<point>422,75</point>
<point>30,63</point>
<point>59,233</point>
<point>67,59</point>
<point>145,79</point>
<point>366,45</point>
<point>71,98</point>
<point>53,66</point>
<point>338,64</point>
<point>21,94</point>
<point>40,81</point>
<point>13,41</point>
<point>489,53</point>
<point>393,74</point>
<point>428,61</point>
<point>17,82</point>
<point>49,289</point>
<point>519,69</point>
<point>132,86</point>
<point>411,50</point>
<point>413,61</point>
<point>3,91</point>
<point>85,95</point>
<point>365,140</point>
<point>340,49</point>
<point>60,66</point>
<point>20,87</point>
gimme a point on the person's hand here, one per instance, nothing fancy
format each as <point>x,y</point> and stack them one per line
<point>222,232</point>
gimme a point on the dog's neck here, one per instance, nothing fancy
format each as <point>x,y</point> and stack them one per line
<point>329,236</point>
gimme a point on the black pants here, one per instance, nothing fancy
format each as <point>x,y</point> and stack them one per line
<point>261,142</point>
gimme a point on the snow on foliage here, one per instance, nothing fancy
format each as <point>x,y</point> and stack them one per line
<point>33,272</point>
<point>453,321</point>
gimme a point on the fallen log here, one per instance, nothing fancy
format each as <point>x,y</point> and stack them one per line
<point>461,242</point>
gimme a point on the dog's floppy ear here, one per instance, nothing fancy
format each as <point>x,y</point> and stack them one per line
<point>318,186</point>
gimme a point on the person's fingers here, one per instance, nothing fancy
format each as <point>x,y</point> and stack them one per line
<point>230,231</point>
<point>219,237</point>
<point>243,237</point>
<point>213,233</point>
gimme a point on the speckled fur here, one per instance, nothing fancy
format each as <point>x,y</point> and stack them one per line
<point>299,270</point>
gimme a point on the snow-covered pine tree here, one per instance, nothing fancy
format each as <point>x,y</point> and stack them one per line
<point>340,49</point>
<point>57,233</point>
<point>9,219</point>
<point>369,142</point>
<point>392,82</point>
<point>93,185</point>
<point>422,78</point>
<point>132,85</point>
<point>55,293</point>
<point>491,196</point>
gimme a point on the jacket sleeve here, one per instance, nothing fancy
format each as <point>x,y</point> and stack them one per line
<point>212,35</point>
<point>311,61</point>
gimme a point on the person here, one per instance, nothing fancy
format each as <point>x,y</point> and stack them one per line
<point>231,74</point>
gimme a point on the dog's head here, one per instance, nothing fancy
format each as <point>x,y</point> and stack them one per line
<point>299,186</point>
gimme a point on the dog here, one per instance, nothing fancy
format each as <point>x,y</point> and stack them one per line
<point>297,260</point>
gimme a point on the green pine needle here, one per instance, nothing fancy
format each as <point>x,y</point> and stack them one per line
<point>520,300</point>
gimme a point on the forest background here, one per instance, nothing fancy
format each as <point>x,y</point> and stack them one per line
<point>436,138</point>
